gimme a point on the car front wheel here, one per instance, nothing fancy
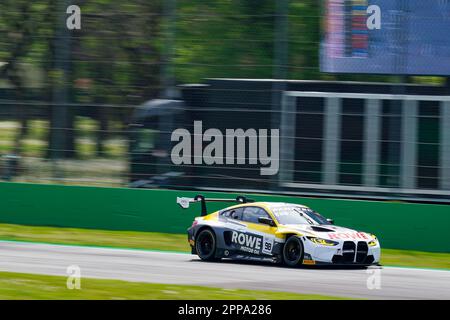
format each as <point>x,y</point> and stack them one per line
<point>205,245</point>
<point>293,251</point>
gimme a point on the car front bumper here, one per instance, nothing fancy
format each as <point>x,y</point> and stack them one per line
<point>345,253</point>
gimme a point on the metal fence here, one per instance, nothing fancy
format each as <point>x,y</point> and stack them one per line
<point>370,142</point>
<point>95,145</point>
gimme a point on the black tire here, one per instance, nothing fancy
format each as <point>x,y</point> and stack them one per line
<point>205,245</point>
<point>293,252</point>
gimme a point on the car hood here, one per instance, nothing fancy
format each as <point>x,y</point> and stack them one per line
<point>330,232</point>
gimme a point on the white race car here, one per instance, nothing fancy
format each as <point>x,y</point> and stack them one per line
<point>280,232</point>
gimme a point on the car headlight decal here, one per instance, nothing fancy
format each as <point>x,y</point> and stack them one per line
<point>323,242</point>
<point>372,243</point>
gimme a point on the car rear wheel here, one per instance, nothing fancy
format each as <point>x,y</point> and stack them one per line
<point>205,245</point>
<point>293,252</point>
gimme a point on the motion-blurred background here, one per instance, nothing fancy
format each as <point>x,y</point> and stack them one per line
<point>96,106</point>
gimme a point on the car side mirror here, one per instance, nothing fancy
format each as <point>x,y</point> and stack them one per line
<point>330,221</point>
<point>267,221</point>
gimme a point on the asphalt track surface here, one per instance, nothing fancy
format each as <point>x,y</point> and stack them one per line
<point>178,268</point>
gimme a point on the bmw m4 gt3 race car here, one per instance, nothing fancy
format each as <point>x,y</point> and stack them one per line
<point>279,232</point>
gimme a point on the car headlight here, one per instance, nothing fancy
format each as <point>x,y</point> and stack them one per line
<point>323,242</point>
<point>373,243</point>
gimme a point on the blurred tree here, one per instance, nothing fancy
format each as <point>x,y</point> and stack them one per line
<point>119,50</point>
<point>118,56</point>
<point>305,34</point>
<point>120,61</point>
<point>17,23</point>
<point>222,38</point>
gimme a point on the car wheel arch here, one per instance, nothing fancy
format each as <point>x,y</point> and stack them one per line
<point>291,234</point>
<point>299,237</point>
<point>204,228</point>
<point>213,233</point>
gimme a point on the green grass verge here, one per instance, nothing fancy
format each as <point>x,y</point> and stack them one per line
<point>120,239</point>
<point>36,287</point>
<point>177,242</point>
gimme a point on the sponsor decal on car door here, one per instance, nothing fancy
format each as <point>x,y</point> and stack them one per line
<point>266,234</point>
<point>247,242</point>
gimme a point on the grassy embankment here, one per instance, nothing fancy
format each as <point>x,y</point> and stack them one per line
<point>39,287</point>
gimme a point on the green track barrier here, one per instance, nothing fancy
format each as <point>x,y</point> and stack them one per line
<point>423,227</point>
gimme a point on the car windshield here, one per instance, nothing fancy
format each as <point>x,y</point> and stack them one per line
<point>290,214</point>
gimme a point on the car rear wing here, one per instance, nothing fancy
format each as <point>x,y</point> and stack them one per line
<point>185,202</point>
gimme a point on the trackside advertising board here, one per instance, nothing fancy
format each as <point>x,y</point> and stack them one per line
<point>386,37</point>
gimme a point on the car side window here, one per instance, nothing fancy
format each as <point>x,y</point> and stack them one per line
<point>233,213</point>
<point>251,214</point>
